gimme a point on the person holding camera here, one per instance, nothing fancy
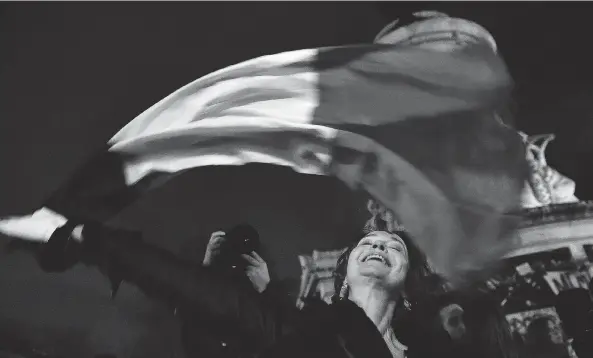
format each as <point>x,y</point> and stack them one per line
<point>234,256</point>
<point>231,263</point>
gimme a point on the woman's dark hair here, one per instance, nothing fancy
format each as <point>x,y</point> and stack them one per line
<point>417,279</point>
<point>490,332</point>
<point>538,334</point>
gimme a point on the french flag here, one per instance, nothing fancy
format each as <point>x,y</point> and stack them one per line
<point>410,119</point>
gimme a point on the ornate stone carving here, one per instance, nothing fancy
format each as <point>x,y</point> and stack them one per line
<point>546,186</point>
<point>317,278</point>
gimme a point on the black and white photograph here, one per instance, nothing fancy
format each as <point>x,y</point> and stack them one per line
<point>299,179</point>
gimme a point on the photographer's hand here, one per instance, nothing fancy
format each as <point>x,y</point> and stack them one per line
<point>213,249</point>
<point>257,271</point>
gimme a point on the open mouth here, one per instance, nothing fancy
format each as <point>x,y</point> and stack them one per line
<point>377,257</point>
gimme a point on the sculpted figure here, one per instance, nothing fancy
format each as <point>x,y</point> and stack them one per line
<point>546,185</point>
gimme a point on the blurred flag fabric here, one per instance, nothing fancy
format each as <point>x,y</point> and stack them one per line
<point>413,126</point>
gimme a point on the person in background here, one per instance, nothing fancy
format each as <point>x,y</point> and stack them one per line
<point>234,256</point>
<point>575,309</point>
<point>489,333</point>
<point>545,339</point>
<point>461,324</point>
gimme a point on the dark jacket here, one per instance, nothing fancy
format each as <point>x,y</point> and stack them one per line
<point>215,339</point>
<point>340,330</point>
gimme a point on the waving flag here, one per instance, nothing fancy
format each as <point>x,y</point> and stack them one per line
<point>411,124</point>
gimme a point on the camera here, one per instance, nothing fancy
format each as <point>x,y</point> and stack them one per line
<point>240,239</point>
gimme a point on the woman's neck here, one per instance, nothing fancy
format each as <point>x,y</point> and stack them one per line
<point>378,305</point>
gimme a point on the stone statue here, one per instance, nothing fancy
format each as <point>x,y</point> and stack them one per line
<point>546,186</point>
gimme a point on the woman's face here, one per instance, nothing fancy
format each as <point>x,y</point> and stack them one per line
<point>380,258</point>
<point>555,333</point>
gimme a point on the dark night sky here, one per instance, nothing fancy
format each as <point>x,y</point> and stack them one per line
<point>71,74</point>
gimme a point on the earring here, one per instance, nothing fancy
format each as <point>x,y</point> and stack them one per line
<point>344,290</point>
<point>407,305</point>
